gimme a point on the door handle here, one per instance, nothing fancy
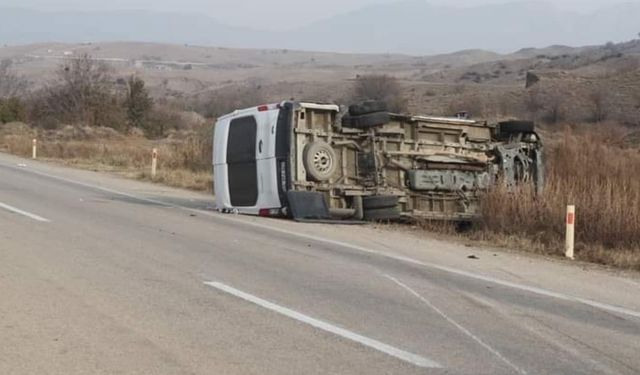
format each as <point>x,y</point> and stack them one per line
<point>260,147</point>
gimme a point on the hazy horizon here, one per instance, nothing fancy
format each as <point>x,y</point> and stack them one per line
<point>414,27</point>
<point>278,15</point>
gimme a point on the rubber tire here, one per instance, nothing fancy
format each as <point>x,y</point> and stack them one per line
<point>369,106</point>
<point>366,121</point>
<point>346,121</point>
<point>382,214</point>
<point>379,201</point>
<point>309,161</point>
<point>514,127</point>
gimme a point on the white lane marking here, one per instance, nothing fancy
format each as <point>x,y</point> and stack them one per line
<point>455,271</point>
<point>543,331</point>
<point>456,324</point>
<point>24,213</point>
<point>405,356</point>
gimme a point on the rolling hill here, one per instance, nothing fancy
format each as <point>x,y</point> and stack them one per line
<point>410,27</point>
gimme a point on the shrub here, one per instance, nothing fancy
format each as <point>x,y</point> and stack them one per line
<point>600,103</point>
<point>161,120</point>
<point>380,87</point>
<point>228,99</point>
<point>11,110</point>
<point>82,93</point>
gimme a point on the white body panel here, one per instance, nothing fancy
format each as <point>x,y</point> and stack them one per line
<point>264,157</point>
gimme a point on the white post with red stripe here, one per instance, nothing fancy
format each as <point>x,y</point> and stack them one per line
<point>154,162</point>
<point>34,150</point>
<point>571,232</point>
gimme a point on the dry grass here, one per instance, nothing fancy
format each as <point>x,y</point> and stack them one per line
<point>184,163</point>
<point>586,167</point>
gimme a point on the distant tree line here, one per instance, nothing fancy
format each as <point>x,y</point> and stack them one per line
<point>86,92</point>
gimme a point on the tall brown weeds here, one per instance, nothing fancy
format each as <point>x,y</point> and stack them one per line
<point>183,162</point>
<point>588,168</point>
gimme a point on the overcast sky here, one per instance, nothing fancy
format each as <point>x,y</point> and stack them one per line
<point>264,14</point>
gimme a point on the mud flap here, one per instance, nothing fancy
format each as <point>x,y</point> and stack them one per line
<point>308,205</point>
<point>312,207</point>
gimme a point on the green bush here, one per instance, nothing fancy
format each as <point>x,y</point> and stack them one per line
<point>11,110</point>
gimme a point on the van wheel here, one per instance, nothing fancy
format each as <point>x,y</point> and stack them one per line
<point>369,120</point>
<point>379,201</point>
<point>515,126</point>
<point>369,106</point>
<point>319,161</point>
<point>382,214</point>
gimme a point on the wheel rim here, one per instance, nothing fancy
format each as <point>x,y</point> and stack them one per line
<point>322,161</point>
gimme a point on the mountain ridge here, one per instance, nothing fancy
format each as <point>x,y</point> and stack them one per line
<point>409,27</point>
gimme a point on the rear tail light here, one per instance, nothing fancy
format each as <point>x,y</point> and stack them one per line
<point>268,107</point>
<point>270,212</point>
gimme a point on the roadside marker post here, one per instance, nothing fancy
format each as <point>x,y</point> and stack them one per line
<point>571,232</point>
<point>154,162</point>
<point>34,151</point>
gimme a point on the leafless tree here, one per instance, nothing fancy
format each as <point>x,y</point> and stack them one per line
<point>555,108</point>
<point>230,98</point>
<point>11,84</point>
<point>380,87</point>
<point>160,120</point>
<point>83,92</point>
<point>599,99</point>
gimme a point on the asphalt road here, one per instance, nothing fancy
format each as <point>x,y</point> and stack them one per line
<point>99,275</point>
